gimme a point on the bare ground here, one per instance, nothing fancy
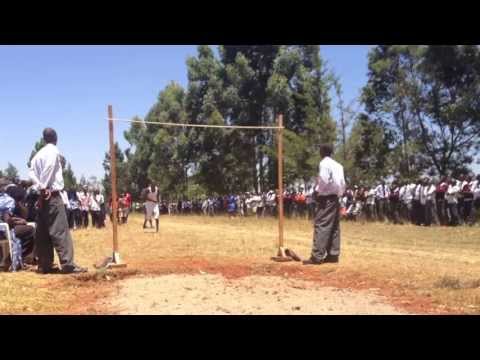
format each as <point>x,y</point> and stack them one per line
<point>213,294</point>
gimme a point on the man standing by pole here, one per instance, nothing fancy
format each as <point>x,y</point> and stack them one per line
<point>52,225</point>
<point>330,186</point>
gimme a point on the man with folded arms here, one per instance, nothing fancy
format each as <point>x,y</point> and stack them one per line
<point>330,186</point>
<point>52,225</point>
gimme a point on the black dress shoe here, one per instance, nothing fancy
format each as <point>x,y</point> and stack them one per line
<point>48,271</point>
<point>312,262</point>
<point>332,259</point>
<point>73,270</point>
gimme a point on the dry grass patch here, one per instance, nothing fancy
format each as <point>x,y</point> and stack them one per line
<point>428,269</point>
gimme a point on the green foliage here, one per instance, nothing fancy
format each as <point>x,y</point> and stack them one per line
<point>428,96</point>
<point>11,173</point>
<point>122,174</point>
<point>69,177</point>
<point>368,152</point>
<point>243,85</point>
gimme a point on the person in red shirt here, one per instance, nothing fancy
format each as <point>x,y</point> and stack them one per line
<point>128,205</point>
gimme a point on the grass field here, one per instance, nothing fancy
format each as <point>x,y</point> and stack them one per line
<point>423,270</point>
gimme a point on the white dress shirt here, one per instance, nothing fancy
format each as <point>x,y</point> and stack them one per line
<point>452,194</point>
<point>382,192</point>
<point>417,192</point>
<point>46,169</point>
<point>84,200</point>
<point>430,192</point>
<point>94,202</point>
<point>371,197</point>
<point>476,189</point>
<point>331,180</point>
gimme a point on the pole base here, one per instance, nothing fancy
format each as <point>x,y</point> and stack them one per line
<point>113,262</point>
<point>286,255</point>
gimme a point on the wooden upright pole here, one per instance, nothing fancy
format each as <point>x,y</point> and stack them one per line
<point>280,184</point>
<point>113,178</point>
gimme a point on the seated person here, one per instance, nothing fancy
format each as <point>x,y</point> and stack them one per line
<point>14,213</point>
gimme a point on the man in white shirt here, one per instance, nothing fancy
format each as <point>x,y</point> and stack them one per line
<point>330,186</point>
<point>52,225</point>
<point>405,194</point>
<point>84,199</point>
<point>382,192</point>
<point>370,204</point>
<point>94,206</point>
<point>418,204</point>
<point>441,204</point>
<point>467,192</point>
<point>430,208</point>
<point>476,194</point>
<point>452,202</point>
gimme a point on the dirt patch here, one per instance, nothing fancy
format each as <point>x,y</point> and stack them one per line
<point>213,294</point>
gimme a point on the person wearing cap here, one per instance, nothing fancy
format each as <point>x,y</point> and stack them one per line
<point>330,186</point>
<point>52,226</point>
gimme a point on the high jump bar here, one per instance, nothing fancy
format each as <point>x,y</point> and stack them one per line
<point>201,125</point>
<point>116,262</point>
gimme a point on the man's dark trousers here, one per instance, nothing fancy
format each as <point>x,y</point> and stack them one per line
<point>326,238</point>
<point>53,232</point>
<point>380,203</point>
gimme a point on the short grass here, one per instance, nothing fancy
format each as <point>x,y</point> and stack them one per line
<point>442,264</point>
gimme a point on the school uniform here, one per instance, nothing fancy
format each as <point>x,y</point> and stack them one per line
<point>394,200</point>
<point>467,195</point>
<point>430,208</point>
<point>381,196</point>
<point>370,205</point>
<point>418,205</point>
<point>452,204</point>
<point>441,203</point>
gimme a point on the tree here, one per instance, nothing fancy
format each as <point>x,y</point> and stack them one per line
<point>83,182</point>
<point>368,155</point>
<point>11,173</point>
<point>69,177</point>
<point>429,96</point>
<point>242,85</point>
<point>346,116</point>
<point>122,174</point>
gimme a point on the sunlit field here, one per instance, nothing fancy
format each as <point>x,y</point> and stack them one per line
<point>432,270</point>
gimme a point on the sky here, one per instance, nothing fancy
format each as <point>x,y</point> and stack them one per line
<point>69,87</point>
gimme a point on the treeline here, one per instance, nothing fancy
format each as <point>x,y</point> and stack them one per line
<point>232,85</point>
<point>420,116</point>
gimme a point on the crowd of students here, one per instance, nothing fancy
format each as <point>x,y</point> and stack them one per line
<point>425,202</point>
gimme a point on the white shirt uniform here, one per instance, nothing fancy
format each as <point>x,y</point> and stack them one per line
<point>84,200</point>
<point>94,203</point>
<point>331,180</point>
<point>417,192</point>
<point>476,189</point>
<point>46,169</point>
<point>382,192</point>
<point>452,194</point>
<point>430,192</point>
<point>371,197</point>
